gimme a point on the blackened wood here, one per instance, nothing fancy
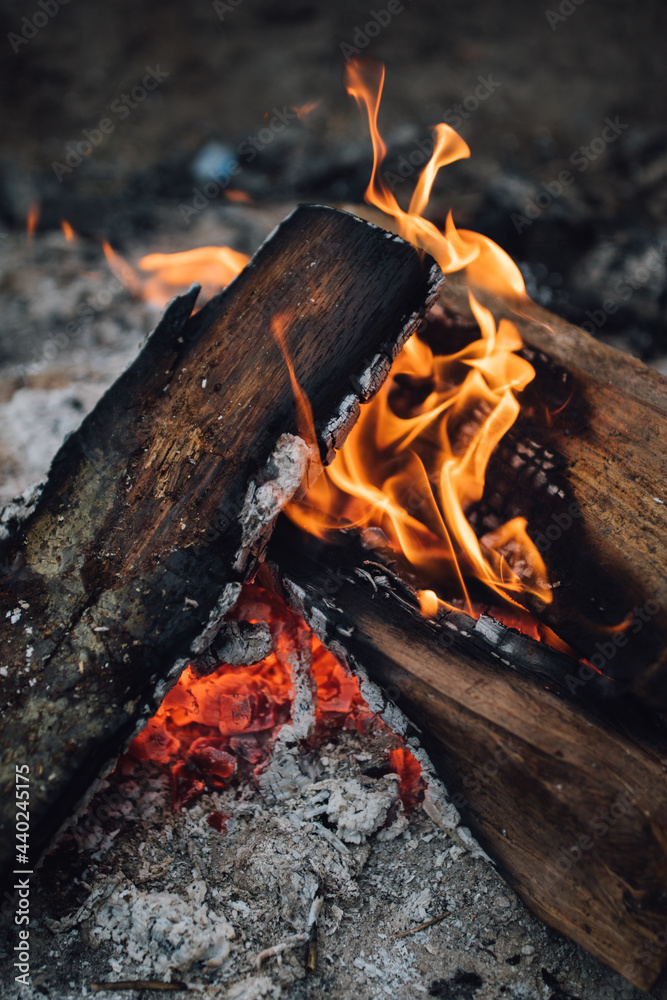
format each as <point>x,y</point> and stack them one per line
<point>572,808</point>
<point>154,510</point>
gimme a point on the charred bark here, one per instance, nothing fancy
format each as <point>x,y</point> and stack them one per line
<point>570,800</point>
<point>156,509</point>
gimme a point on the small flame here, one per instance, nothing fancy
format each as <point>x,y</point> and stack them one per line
<point>34,212</point>
<point>304,110</point>
<point>212,267</point>
<point>416,460</point>
<point>173,273</point>
<point>120,268</point>
<point>241,197</point>
<point>70,235</point>
<point>304,412</point>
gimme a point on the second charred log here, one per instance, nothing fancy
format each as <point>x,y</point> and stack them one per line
<point>569,801</point>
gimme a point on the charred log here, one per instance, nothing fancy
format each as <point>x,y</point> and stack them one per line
<point>155,511</point>
<point>569,800</point>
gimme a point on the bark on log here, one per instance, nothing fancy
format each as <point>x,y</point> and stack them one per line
<point>154,511</point>
<point>586,464</point>
<point>570,803</point>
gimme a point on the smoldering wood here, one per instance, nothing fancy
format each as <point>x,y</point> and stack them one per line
<point>586,464</point>
<point>157,508</point>
<point>567,797</point>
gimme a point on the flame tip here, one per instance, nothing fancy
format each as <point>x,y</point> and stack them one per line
<point>460,419</point>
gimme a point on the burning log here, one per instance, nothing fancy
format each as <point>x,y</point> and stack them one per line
<point>571,803</point>
<point>585,465</point>
<point>545,436</point>
<point>531,446</point>
<point>156,510</point>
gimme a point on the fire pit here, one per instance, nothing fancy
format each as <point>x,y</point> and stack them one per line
<point>418,551</point>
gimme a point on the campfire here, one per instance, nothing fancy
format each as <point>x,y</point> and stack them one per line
<point>370,465</point>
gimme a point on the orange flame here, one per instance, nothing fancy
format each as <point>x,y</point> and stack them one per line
<point>304,411</point>
<point>304,110</point>
<point>173,273</point>
<point>122,270</point>
<point>212,267</point>
<point>242,197</point>
<point>414,469</point>
<point>70,235</point>
<point>34,212</point>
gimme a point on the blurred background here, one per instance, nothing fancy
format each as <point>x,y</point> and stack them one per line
<point>166,126</point>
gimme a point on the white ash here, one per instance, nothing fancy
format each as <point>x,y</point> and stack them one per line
<point>359,812</point>
<point>18,509</point>
<point>226,601</point>
<point>262,877</point>
<point>252,988</point>
<point>282,778</point>
<point>296,656</point>
<point>160,932</point>
<point>437,802</point>
<point>56,412</point>
<point>238,644</point>
<point>285,473</point>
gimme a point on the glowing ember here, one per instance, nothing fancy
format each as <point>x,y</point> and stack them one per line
<point>206,725</point>
<point>406,766</point>
<point>339,700</point>
<point>217,728</point>
<point>416,460</point>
